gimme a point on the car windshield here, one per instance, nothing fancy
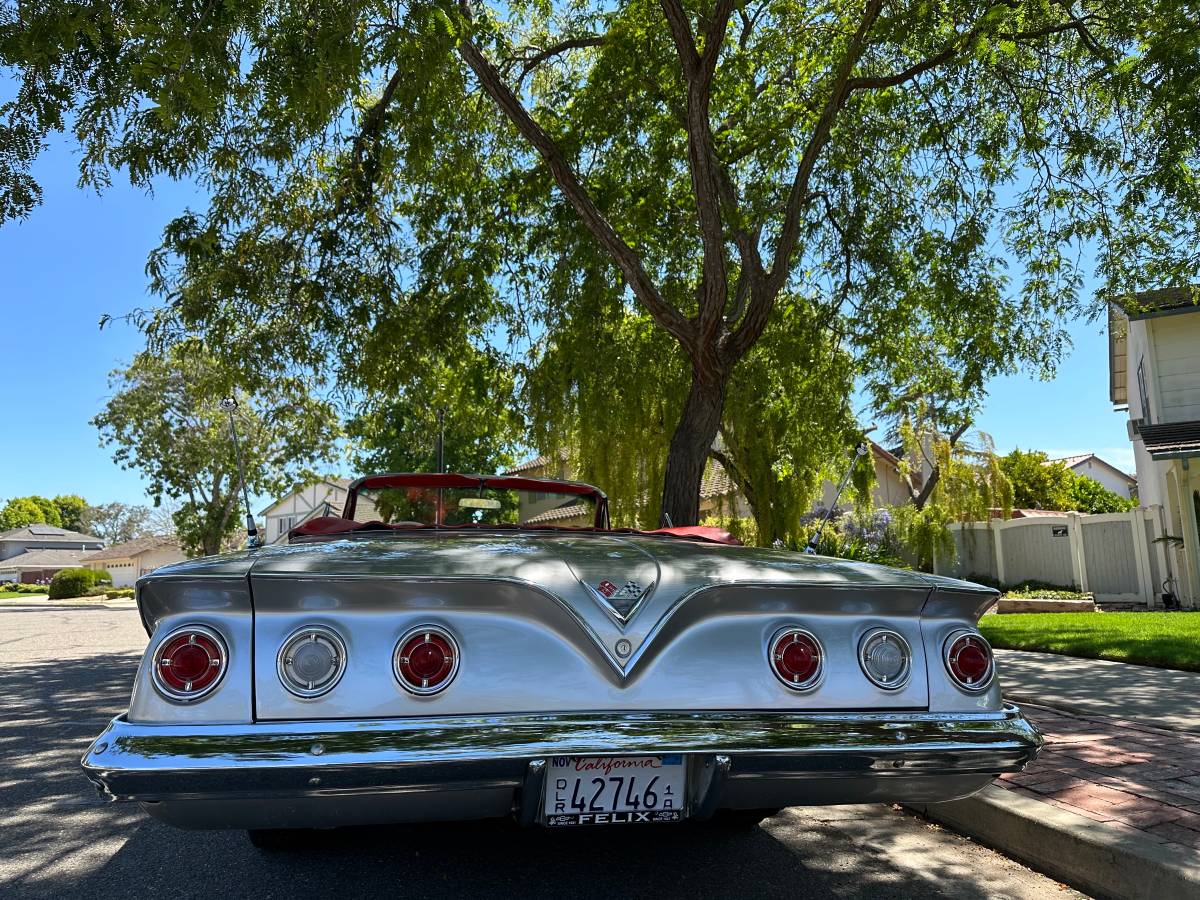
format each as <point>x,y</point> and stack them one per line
<point>473,506</point>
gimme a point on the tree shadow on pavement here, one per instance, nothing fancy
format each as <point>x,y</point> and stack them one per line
<point>59,838</point>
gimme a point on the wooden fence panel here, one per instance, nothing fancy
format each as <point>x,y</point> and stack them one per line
<point>1110,557</point>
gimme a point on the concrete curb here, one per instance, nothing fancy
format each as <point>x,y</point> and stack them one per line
<point>1065,706</point>
<point>1085,854</point>
<point>22,605</point>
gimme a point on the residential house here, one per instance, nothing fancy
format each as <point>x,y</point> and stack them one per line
<point>129,561</point>
<point>1089,465</point>
<point>326,497</point>
<point>545,508</point>
<point>36,552</point>
<point>1154,375</point>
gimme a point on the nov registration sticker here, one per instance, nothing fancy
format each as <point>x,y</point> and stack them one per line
<point>614,790</point>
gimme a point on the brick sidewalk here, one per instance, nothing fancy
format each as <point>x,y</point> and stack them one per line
<point>1129,776</point>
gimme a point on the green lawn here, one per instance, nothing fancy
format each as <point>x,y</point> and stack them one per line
<point>4,595</point>
<point>1166,640</point>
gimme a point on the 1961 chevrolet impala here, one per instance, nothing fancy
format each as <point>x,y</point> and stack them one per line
<point>443,651</point>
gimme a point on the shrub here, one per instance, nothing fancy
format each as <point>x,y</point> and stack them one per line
<point>863,535</point>
<point>102,577</point>
<point>98,591</point>
<point>26,588</point>
<point>1043,590</point>
<point>114,593</point>
<point>71,583</point>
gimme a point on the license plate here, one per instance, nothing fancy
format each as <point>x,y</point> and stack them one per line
<point>614,790</point>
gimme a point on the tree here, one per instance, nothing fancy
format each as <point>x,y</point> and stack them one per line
<point>1090,496</point>
<point>787,426</point>
<point>972,486</point>
<point>71,510</point>
<point>1037,482</point>
<point>116,522</point>
<point>164,420</point>
<point>161,519</point>
<point>399,433</point>
<point>453,172</point>
<point>31,510</point>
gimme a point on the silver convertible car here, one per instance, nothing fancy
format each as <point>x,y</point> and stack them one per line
<point>462,647</point>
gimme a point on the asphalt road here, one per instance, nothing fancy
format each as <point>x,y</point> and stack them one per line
<point>64,672</point>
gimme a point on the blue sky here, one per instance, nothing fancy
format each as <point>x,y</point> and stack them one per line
<point>80,256</point>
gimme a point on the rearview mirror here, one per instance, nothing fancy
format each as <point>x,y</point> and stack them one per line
<point>479,503</point>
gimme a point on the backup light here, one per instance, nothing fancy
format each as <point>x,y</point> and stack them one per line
<point>886,658</point>
<point>311,661</point>
<point>797,658</point>
<point>189,663</point>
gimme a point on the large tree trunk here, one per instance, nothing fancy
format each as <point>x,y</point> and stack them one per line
<point>690,445</point>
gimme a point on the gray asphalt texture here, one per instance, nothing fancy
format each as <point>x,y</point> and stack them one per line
<point>65,672</point>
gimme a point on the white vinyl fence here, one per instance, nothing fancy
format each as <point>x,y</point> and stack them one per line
<point>1117,556</point>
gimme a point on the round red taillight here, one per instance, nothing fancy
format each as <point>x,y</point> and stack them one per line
<point>796,658</point>
<point>189,662</point>
<point>969,660</point>
<point>426,660</point>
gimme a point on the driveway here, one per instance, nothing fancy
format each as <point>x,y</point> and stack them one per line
<point>64,672</point>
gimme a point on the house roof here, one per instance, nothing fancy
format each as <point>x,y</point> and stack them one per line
<point>575,510</point>
<point>42,559</point>
<point>40,532</point>
<point>1035,513</point>
<point>1072,461</point>
<point>1160,301</point>
<point>536,463</point>
<point>1172,440</point>
<point>130,549</point>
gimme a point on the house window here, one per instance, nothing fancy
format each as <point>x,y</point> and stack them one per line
<point>286,523</point>
<point>1143,393</point>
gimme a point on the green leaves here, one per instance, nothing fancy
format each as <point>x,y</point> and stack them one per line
<point>164,419</point>
<point>373,211</point>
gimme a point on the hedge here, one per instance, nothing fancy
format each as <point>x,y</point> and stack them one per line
<point>71,583</point>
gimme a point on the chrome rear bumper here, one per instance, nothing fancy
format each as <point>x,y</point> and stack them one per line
<point>312,773</point>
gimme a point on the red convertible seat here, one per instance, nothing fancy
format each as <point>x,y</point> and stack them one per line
<point>329,525</point>
<point>707,532</point>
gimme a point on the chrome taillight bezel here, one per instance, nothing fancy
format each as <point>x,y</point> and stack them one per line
<point>869,642</point>
<point>185,696</point>
<point>948,660</point>
<point>775,661</point>
<point>311,633</point>
<point>398,665</point>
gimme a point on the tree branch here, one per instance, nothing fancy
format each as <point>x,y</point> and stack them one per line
<point>920,498</point>
<point>575,43</point>
<point>762,300</point>
<point>707,177</point>
<point>626,259</point>
<point>372,122</point>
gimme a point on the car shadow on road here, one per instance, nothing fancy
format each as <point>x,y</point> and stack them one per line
<point>59,838</point>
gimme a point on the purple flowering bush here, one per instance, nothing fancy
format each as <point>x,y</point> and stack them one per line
<point>869,535</point>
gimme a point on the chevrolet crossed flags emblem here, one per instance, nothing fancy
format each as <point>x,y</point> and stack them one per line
<point>620,600</point>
